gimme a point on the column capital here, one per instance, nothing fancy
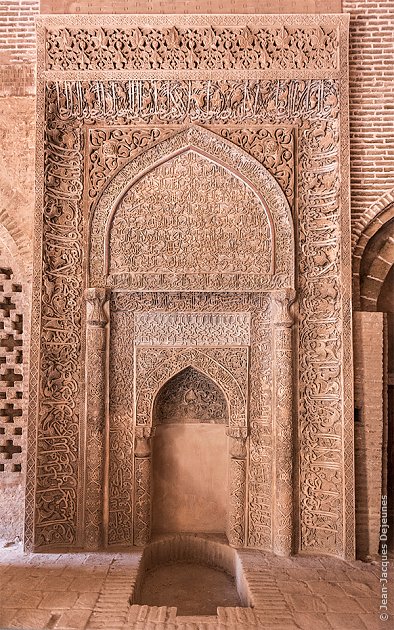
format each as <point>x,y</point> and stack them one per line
<point>283,303</point>
<point>95,299</point>
<point>142,440</point>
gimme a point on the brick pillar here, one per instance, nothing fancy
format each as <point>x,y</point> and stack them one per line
<point>368,434</point>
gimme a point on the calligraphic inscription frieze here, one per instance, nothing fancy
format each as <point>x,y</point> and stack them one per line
<point>193,101</point>
<point>187,329</point>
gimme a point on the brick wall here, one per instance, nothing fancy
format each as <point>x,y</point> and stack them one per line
<point>17,133</point>
<point>371,104</point>
<point>17,31</point>
<point>368,399</point>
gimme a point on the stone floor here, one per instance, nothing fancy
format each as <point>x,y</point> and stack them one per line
<point>91,591</point>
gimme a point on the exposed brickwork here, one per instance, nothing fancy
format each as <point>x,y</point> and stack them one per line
<point>371,104</point>
<point>17,80</point>
<point>17,138</point>
<point>368,400</point>
<point>17,31</point>
<point>191,6</point>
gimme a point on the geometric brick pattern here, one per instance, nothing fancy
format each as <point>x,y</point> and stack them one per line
<point>11,373</point>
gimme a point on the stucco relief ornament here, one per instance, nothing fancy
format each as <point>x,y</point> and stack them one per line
<point>193,101</point>
<point>192,258</point>
<point>202,48</point>
<point>308,90</point>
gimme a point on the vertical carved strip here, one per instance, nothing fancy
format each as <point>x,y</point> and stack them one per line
<point>283,498</point>
<point>143,485</point>
<point>236,533</point>
<point>121,438</point>
<point>57,334</point>
<point>96,406</point>
<point>321,341</point>
<point>260,442</point>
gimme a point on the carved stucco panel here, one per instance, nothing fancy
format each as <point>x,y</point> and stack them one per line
<point>190,216</point>
<point>58,429</point>
<point>190,397</point>
<point>235,161</point>
<point>121,438</point>
<point>197,329</point>
<point>109,149</point>
<point>320,358</point>
<point>261,452</point>
<point>197,48</point>
<point>226,366</point>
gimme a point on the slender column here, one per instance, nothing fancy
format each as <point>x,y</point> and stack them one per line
<point>283,413</point>
<point>96,342</point>
<point>143,484</point>
<point>236,533</point>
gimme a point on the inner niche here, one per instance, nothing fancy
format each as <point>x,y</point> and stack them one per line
<point>190,456</point>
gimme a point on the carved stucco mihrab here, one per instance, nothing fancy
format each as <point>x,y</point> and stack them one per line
<point>302,83</point>
<point>228,368</point>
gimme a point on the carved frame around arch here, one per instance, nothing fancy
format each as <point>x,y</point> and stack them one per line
<point>236,394</point>
<point>242,166</point>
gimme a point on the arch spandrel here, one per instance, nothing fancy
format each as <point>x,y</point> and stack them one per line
<point>239,174</point>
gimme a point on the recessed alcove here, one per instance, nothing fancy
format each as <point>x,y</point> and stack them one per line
<point>190,456</point>
<point>194,574</point>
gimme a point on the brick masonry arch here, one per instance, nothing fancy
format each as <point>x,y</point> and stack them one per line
<point>370,271</point>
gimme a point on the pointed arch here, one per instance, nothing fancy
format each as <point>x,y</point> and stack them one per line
<point>180,400</point>
<point>198,360</point>
<point>372,259</point>
<point>238,165</point>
